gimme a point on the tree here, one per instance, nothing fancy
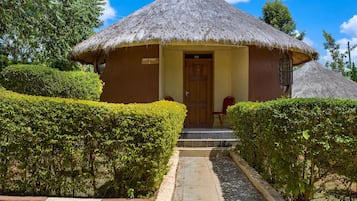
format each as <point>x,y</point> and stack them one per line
<point>278,15</point>
<point>354,72</point>
<point>44,31</point>
<point>19,23</point>
<point>339,63</point>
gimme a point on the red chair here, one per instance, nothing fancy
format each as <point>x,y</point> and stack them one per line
<point>227,101</point>
<point>169,98</point>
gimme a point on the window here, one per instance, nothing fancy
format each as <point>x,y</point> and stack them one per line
<point>285,71</point>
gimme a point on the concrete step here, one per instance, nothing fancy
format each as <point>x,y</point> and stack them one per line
<point>207,137</point>
<point>206,133</point>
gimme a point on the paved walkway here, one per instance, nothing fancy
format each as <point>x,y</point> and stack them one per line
<point>217,179</point>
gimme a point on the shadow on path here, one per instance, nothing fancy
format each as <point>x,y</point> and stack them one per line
<point>212,179</point>
<point>234,184</point>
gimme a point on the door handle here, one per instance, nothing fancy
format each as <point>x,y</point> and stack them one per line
<point>187,93</point>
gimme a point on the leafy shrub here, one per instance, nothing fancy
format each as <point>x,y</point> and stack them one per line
<point>4,61</point>
<point>65,147</point>
<point>44,81</point>
<point>65,65</point>
<point>294,143</point>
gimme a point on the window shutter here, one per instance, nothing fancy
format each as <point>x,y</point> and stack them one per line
<point>285,70</point>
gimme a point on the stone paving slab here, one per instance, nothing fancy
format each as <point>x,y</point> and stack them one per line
<point>195,181</point>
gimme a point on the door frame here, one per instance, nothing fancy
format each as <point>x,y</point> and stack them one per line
<point>210,100</point>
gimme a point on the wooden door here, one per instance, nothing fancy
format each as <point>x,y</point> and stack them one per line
<point>198,92</point>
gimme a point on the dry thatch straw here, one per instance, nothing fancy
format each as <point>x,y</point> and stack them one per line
<point>193,22</point>
<point>315,81</point>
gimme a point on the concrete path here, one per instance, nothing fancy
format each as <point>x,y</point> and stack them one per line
<point>215,179</point>
<point>196,180</point>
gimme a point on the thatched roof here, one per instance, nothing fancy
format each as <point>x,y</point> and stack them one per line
<point>197,22</point>
<point>313,80</point>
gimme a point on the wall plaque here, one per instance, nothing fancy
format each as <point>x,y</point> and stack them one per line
<point>150,61</point>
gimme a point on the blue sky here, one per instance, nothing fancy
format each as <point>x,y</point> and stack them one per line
<point>338,17</point>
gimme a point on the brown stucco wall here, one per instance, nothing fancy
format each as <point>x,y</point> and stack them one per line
<point>264,74</point>
<point>127,80</point>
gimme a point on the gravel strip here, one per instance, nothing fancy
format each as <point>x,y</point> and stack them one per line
<point>235,185</point>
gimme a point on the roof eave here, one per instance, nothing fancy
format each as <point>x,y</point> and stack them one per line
<point>90,54</point>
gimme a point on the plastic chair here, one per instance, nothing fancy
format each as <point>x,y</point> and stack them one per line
<point>227,101</point>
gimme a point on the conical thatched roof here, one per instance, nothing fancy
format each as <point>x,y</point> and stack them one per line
<point>205,22</point>
<point>313,80</point>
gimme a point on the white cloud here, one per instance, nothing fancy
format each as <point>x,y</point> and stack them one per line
<point>237,1</point>
<point>350,27</point>
<point>108,12</point>
<point>326,57</point>
<point>343,48</point>
<point>308,41</point>
<point>343,41</point>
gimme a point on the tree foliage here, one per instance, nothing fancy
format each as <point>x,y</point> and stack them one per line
<point>43,31</point>
<point>278,15</point>
<point>338,56</point>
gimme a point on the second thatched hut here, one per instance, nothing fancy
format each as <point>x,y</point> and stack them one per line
<point>313,80</point>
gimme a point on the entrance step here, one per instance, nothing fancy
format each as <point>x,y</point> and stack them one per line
<point>204,151</point>
<point>207,133</point>
<point>203,137</point>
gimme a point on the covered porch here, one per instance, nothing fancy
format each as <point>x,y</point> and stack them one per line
<point>200,76</point>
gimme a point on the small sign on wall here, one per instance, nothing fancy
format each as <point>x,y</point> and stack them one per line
<point>150,61</point>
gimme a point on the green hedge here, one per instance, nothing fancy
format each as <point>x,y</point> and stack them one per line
<point>4,61</point>
<point>295,143</point>
<point>65,147</point>
<point>44,81</point>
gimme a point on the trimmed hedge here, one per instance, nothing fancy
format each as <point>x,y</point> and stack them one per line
<point>44,81</point>
<point>65,147</point>
<point>4,61</point>
<point>295,143</point>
